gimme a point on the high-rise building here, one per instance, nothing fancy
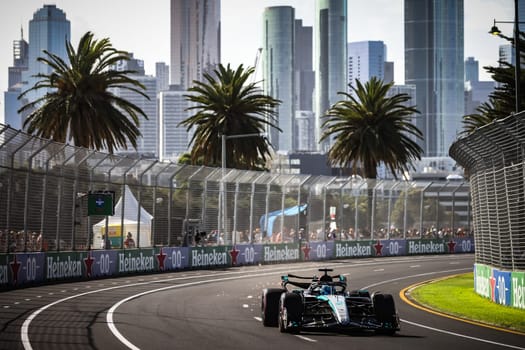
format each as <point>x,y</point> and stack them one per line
<point>330,59</point>
<point>304,136</point>
<point>434,63</point>
<point>471,69</point>
<point>476,92</point>
<point>304,131</point>
<point>366,59</point>
<point>304,74</point>
<point>147,144</point>
<point>278,70</point>
<point>162,73</point>
<point>389,72</point>
<point>174,140</point>
<point>195,39</point>
<point>20,65</point>
<point>48,30</point>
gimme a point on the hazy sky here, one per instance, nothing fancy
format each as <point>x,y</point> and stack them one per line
<point>143,27</point>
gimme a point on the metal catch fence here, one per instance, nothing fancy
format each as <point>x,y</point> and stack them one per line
<point>493,156</point>
<point>45,196</point>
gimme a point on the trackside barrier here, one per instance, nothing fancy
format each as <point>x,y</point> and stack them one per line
<point>493,157</point>
<point>502,287</point>
<point>27,269</point>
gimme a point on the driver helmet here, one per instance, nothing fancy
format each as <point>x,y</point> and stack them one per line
<point>326,290</point>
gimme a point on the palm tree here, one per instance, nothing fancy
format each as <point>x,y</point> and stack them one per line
<point>502,101</point>
<point>370,128</point>
<point>80,106</point>
<point>227,104</point>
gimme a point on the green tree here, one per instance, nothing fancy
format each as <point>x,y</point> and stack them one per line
<point>502,101</point>
<point>80,106</point>
<point>226,103</point>
<point>370,128</point>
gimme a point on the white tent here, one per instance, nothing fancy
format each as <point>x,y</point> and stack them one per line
<point>131,223</point>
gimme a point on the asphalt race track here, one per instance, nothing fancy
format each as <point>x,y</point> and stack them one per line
<point>220,309</point>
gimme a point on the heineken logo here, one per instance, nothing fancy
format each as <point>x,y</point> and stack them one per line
<point>280,254</point>
<point>518,293</point>
<point>129,263</point>
<point>415,247</point>
<point>213,258</point>
<point>351,250</point>
<point>57,268</point>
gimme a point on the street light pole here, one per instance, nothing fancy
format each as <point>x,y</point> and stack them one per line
<point>518,55</point>
<point>517,65</point>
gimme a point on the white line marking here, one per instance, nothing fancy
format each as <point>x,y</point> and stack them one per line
<point>306,338</point>
<point>378,270</point>
<point>258,318</point>
<point>24,331</point>
<point>462,335</point>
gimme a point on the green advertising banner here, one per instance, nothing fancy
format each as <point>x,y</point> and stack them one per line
<point>136,260</point>
<point>210,256</point>
<point>518,290</point>
<point>426,246</point>
<point>354,249</point>
<point>281,253</point>
<point>67,265</point>
<point>482,275</point>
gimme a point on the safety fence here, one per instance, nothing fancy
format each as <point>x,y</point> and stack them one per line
<point>493,156</point>
<point>47,190</point>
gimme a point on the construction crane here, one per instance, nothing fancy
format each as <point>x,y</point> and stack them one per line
<point>256,64</point>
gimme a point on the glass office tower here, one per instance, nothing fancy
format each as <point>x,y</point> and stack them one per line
<point>330,58</point>
<point>366,59</point>
<point>278,70</point>
<point>48,30</point>
<point>434,63</point>
<point>195,40</point>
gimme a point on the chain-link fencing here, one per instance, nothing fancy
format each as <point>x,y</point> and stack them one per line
<point>493,156</point>
<point>46,189</point>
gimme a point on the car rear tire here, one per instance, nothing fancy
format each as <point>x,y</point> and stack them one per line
<point>385,311</point>
<point>270,306</point>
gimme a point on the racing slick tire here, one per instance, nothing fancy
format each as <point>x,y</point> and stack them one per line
<point>385,310</point>
<point>290,313</point>
<point>270,306</point>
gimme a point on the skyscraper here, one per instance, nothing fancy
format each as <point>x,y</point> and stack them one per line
<point>147,144</point>
<point>304,81</point>
<point>330,58</point>
<point>471,69</point>
<point>162,73</point>
<point>278,70</point>
<point>434,64</point>
<point>366,59</point>
<point>20,65</point>
<point>476,92</point>
<point>173,139</point>
<point>48,30</point>
<point>195,39</point>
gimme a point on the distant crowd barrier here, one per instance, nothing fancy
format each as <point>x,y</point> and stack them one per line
<point>493,157</point>
<point>27,269</point>
<point>53,198</point>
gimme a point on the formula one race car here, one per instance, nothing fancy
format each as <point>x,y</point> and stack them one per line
<point>325,304</point>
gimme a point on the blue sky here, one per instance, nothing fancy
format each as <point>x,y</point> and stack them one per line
<point>142,27</point>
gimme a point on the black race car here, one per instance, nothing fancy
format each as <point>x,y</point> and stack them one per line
<point>324,303</point>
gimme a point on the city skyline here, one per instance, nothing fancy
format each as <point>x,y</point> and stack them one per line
<point>146,33</point>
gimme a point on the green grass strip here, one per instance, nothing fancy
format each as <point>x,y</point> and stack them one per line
<point>456,296</point>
